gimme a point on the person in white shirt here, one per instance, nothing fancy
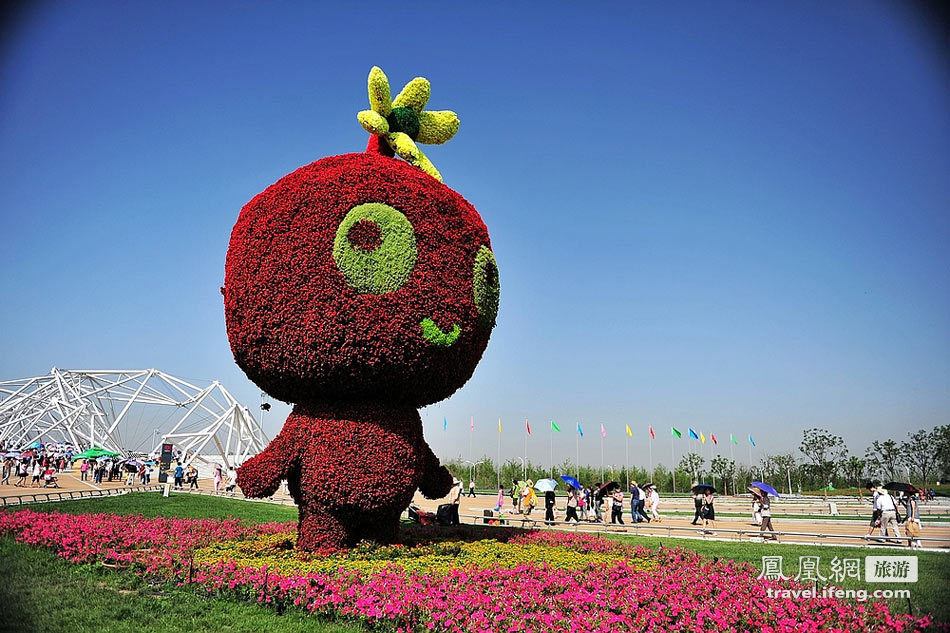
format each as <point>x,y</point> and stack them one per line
<point>885,503</point>
<point>654,504</point>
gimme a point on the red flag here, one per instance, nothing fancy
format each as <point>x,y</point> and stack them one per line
<point>527,425</point>
<point>652,434</point>
<point>712,436</point>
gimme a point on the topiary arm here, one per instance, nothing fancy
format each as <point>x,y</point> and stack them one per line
<point>436,480</point>
<point>261,475</point>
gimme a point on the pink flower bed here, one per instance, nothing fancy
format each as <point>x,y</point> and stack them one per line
<point>685,592</point>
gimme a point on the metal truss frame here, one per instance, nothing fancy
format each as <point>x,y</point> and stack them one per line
<point>92,408</point>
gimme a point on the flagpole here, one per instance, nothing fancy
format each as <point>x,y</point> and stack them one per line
<point>471,435</point>
<point>601,454</point>
<point>551,436</point>
<point>651,459</point>
<point>499,453</point>
<point>577,455</point>
<point>751,470</point>
<point>626,464</point>
<point>673,462</point>
<point>524,462</point>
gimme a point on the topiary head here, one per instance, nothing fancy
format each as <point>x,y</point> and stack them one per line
<point>360,277</point>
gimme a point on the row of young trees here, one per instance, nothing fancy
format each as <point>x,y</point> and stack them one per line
<point>824,461</point>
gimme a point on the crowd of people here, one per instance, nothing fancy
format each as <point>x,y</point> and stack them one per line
<point>587,503</point>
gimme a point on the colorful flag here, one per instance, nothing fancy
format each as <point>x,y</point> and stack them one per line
<point>445,424</point>
<point>702,438</point>
<point>693,435</point>
<point>580,431</point>
<point>473,422</point>
<point>629,432</point>
<point>555,427</point>
<point>603,431</point>
<point>527,425</point>
<point>499,426</point>
<point>733,438</point>
<point>676,432</point>
<point>652,434</point>
<point>751,441</point>
<point>712,436</point>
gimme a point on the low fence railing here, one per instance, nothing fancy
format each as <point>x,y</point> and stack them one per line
<point>66,495</point>
<point>708,533</point>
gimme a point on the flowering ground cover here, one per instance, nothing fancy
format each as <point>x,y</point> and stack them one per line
<point>472,580</point>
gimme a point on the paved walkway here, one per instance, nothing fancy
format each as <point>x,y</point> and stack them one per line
<point>825,531</point>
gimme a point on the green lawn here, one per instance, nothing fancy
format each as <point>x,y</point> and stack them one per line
<point>87,598</point>
<point>44,593</point>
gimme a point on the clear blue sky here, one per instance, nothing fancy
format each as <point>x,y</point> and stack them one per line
<point>731,216</point>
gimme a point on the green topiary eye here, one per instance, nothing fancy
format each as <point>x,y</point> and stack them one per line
<point>375,248</point>
<point>486,286</point>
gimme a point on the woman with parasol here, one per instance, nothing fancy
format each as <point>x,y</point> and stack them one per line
<point>766,508</point>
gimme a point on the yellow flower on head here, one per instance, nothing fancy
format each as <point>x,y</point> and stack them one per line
<point>403,122</point>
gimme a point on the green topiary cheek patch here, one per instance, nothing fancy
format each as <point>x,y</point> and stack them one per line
<point>486,285</point>
<point>375,248</point>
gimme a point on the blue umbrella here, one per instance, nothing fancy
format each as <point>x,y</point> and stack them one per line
<point>570,481</point>
<point>766,488</point>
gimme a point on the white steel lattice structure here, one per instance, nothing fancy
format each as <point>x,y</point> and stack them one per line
<point>127,411</point>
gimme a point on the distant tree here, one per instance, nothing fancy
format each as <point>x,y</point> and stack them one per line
<point>942,435</point>
<point>884,460</point>
<point>725,470</point>
<point>782,468</point>
<point>825,452</point>
<point>921,453</point>
<point>692,463</point>
<point>854,468</point>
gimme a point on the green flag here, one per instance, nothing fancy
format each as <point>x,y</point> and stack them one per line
<point>676,432</point>
<point>733,438</point>
<point>555,427</point>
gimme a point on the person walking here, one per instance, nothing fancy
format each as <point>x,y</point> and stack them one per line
<point>767,518</point>
<point>192,477</point>
<point>37,471</point>
<point>471,487</point>
<point>885,503</point>
<point>641,503</point>
<point>913,525</point>
<point>22,470</point>
<point>616,506</point>
<point>549,503</point>
<point>455,498</point>
<point>634,502</point>
<point>756,508</point>
<point>529,498</point>
<point>655,505</point>
<point>179,475</point>
<point>708,510</point>
<point>698,505</point>
<point>581,496</point>
<point>218,477</point>
<point>572,501</point>
<point>7,470</point>
<point>596,500</point>
<point>500,501</point>
<point>515,495</point>
<point>84,470</point>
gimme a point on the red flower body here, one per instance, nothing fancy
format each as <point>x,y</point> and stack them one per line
<point>360,288</point>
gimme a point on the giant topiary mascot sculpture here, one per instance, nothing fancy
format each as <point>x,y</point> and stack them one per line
<point>360,288</point>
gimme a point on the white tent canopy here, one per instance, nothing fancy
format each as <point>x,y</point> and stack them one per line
<point>129,411</point>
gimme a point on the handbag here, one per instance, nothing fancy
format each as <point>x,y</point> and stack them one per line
<point>913,528</point>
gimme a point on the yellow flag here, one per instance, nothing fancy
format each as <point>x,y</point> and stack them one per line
<point>629,432</point>
<point>702,438</point>
<point>499,426</point>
